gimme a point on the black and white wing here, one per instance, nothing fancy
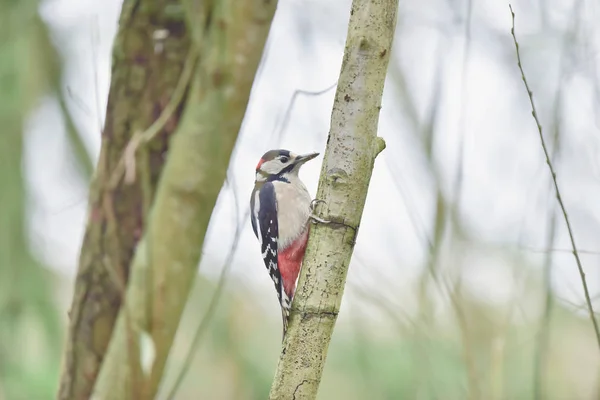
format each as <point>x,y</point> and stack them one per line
<point>264,222</point>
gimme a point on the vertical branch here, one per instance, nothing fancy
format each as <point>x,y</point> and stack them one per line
<point>555,183</point>
<point>352,147</point>
<point>544,336</point>
<point>143,81</point>
<point>464,94</point>
<point>230,48</point>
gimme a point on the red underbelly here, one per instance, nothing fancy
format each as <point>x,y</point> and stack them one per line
<point>289,261</point>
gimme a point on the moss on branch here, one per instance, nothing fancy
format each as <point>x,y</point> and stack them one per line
<point>143,80</point>
<point>164,267</point>
<point>352,147</point>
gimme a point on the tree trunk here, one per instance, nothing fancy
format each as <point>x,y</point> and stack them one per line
<point>144,75</point>
<point>352,147</point>
<point>229,36</point>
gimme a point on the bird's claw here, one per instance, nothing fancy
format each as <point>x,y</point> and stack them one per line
<point>314,203</point>
<point>312,216</point>
<point>316,219</point>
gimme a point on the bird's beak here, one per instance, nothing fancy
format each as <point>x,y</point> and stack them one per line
<point>301,159</point>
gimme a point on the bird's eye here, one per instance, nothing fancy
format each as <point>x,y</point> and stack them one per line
<point>284,159</point>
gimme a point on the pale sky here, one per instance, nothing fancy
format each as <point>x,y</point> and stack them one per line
<point>506,188</point>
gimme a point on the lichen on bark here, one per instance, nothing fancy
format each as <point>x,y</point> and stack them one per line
<point>352,147</point>
<point>230,46</point>
<point>142,83</point>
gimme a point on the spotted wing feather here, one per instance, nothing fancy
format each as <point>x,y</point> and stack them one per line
<point>266,228</point>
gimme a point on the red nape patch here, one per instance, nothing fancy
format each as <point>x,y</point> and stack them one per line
<point>259,164</point>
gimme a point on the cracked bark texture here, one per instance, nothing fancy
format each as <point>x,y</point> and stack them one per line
<point>229,37</point>
<point>352,147</point>
<point>142,84</point>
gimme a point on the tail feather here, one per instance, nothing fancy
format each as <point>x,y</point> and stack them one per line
<point>285,314</point>
<point>285,301</point>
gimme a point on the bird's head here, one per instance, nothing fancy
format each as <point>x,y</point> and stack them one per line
<point>281,164</point>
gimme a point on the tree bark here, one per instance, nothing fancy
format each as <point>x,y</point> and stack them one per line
<point>144,75</point>
<point>229,42</point>
<point>352,147</point>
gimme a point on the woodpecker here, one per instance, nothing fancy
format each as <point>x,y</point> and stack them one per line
<point>281,208</point>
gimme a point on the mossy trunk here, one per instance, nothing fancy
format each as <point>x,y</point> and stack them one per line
<point>352,147</point>
<point>145,72</point>
<point>229,37</point>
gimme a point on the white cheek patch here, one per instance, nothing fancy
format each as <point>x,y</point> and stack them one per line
<point>273,167</point>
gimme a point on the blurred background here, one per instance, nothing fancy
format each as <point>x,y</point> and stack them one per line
<point>462,284</point>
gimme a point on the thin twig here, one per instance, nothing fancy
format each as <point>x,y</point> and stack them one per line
<point>460,169</point>
<point>288,112</point>
<point>553,174</point>
<point>575,306</point>
<point>411,210</point>
<point>455,293</point>
<point>212,306</point>
<point>554,250</point>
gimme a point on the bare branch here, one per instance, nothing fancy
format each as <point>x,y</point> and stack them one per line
<point>352,147</point>
<point>553,174</point>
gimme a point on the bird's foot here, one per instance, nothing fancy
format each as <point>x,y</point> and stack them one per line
<point>316,219</point>
<point>313,217</point>
<point>313,204</point>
